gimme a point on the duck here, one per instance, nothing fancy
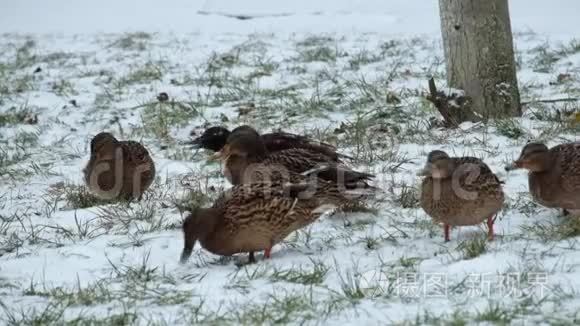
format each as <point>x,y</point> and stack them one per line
<point>459,191</point>
<point>245,150</point>
<point>215,138</point>
<point>118,169</point>
<point>255,217</point>
<point>553,174</point>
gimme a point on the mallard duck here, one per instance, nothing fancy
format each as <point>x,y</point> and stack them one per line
<point>460,191</point>
<point>255,217</point>
<point>215,138</point>
<point>118,169</point>
<point>554,174</point>
<point>245,150</point>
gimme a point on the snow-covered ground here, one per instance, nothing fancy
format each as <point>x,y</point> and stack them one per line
<point>348,72</point>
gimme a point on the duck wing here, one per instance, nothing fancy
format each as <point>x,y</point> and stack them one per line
<point>278,141</point>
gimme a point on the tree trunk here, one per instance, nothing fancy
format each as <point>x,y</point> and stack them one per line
<point>479,54</point>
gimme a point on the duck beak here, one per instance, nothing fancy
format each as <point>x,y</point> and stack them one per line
<point>424,172</point>
<point>221,155</point>
<point>196,143</point>
<point>185,254</point>
<point>514,166</point>
<point>216,157</point>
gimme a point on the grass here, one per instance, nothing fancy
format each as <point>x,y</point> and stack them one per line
<point>509,128</point>
<point>496,314</point>
<point>550,231</point>
<point>473,248</point>
<point>76,196</point>
<point>160,118</point>
<point>302,275</point>
<point>146,73</point>
<point>408,197</point>
<point>143,217</point>
<point>63,88</point>
<point>322,53</point>
<point>137,41</point>
<point>362,58</point>
<point>366,101</point>
<point>14,116</point>
<point>282,308</point>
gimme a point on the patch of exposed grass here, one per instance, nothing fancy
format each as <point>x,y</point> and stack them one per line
<point>496,314</point>
<point>315,40</point>
<point>560,230</point>
<point>16,84</point>
<point>407,197</point>
<point>302,275</point>
<point>457,318</point>
<point>10,240</point>
<point>76,196</point>
<point>149,72</point>
<point>137,41</point>
<point>280,309</point>
<point>200,193</point>
<point>92,294</point>
<point>473,248</point>
<point>50,314</point>
<point>142,217</point>
<point>364,57</point>
<point>63,88</point>
<point>10,158</point>
<point>21,115</point>
<point>509,128</point>
<point>544,58</point>
<point>160,117</point>
<point>359,206</point>
<point>323,53</point>
<point>409,262</point>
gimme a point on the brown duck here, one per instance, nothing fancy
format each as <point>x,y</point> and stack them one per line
<point>255,217</point>
<point>215,138</point>
<point>459,191</point>
<point>118,169</point>
<point>245,150</point>
<point>554,174</point>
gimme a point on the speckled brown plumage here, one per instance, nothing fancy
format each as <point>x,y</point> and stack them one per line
<point>215,138</point>
<point>554,174</point>
<point>255,217</point>
<point>245,149</point>
<point>460,191</point>
<point>118,169</point>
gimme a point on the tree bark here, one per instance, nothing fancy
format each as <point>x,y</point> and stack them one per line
<point>479,55</point>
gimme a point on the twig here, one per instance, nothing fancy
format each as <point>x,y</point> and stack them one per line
<point>556,100</point>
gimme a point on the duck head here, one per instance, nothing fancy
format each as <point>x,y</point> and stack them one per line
<point>534,157</point>
<point>103,145</point>
<point>196,226</point>
<point>213,138</point>
<point>243,142</point>
<point>439,165</point>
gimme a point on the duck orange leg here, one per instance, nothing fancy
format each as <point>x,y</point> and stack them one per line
<point>446,228</point>
<point>267,252</point>
<point>490,234</point>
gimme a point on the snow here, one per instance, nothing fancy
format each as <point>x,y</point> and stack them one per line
<point>86,55</point>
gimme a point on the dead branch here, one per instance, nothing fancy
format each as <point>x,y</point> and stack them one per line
<point>441,102</point>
